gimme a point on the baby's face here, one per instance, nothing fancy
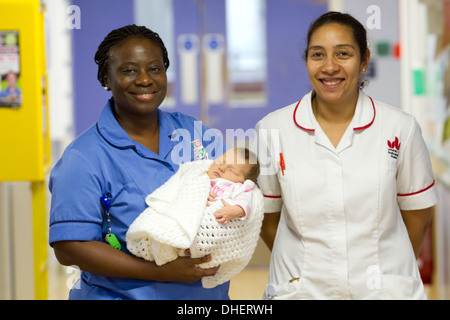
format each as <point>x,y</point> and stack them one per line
<point>230,166</point>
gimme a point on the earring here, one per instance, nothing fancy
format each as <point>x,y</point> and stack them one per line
<point>106,88</point>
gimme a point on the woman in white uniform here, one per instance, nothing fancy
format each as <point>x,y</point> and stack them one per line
<point>347,180</point>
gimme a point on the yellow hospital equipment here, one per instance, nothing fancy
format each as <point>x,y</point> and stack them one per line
<point>24,125</point>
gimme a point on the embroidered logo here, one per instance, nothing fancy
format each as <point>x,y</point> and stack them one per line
<point>394,148</point>
<point>199,150</point>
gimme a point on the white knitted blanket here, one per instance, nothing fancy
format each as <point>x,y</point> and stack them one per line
<point>177,218</point>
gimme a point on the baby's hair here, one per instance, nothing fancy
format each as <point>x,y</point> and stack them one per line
<point>252,160</point>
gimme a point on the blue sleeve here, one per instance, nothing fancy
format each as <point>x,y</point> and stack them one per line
<point>76,212</point>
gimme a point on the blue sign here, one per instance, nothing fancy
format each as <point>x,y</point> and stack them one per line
<point>214,42</point>
<point>188,43</point>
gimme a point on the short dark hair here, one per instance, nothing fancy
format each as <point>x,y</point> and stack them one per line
<point>120,34</point>
<point>344,19</point>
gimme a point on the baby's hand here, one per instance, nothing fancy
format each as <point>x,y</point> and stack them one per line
<point>228,212</point>
<point>211,197</point>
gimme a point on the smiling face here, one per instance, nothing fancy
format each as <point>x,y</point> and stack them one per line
<point>136,76</point>
<point>230,166</point>
<point>334,64</point>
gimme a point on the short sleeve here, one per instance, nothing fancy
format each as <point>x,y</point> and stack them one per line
<point>415,180</point>
<point>268,180</point>
<point>75,212</point>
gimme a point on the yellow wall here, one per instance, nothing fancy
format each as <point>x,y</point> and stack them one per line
<point>24,137</point>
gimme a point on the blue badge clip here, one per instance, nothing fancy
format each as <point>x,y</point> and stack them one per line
<point>105,202</point>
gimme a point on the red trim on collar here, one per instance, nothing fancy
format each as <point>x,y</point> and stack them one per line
<point>295,111</point>
<point>374,114</point>
<point>354,129</point>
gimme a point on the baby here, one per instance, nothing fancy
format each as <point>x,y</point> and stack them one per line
<point>233,176</point>
<point>180,215</point>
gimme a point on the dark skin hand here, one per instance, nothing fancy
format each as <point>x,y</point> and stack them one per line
<point>102,259</point>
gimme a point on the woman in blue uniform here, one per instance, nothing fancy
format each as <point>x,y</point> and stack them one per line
<point>132,150</point>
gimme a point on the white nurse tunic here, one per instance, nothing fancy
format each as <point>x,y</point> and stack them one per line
<point>341,234</point>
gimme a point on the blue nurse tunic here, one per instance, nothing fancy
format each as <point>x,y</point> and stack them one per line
<point>104,160</point>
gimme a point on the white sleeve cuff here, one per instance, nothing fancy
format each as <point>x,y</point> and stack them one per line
<point>272,204</point>
<point>422,199</point>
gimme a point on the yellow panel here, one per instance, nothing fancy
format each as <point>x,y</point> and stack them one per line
<point>24,137</point>
<point>40,240</point>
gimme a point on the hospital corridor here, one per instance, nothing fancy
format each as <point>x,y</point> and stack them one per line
<point>345,104</point>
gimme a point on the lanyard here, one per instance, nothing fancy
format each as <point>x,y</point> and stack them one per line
<point>110,237</point>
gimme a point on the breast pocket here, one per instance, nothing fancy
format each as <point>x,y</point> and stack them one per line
<point>388,179</point>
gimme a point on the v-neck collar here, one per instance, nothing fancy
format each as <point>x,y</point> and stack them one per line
<point>115,135</point>
<point>363,118</point>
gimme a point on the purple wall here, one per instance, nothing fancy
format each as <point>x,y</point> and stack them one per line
<point>287,24</point>
<point>98,18</point>
<point>187,21</point>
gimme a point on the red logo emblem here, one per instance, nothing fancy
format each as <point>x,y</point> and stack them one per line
<point>394,144</point>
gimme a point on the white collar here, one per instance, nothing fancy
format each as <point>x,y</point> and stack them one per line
<point>363,118</point>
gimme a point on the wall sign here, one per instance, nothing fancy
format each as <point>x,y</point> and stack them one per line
<point>10,91</point>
